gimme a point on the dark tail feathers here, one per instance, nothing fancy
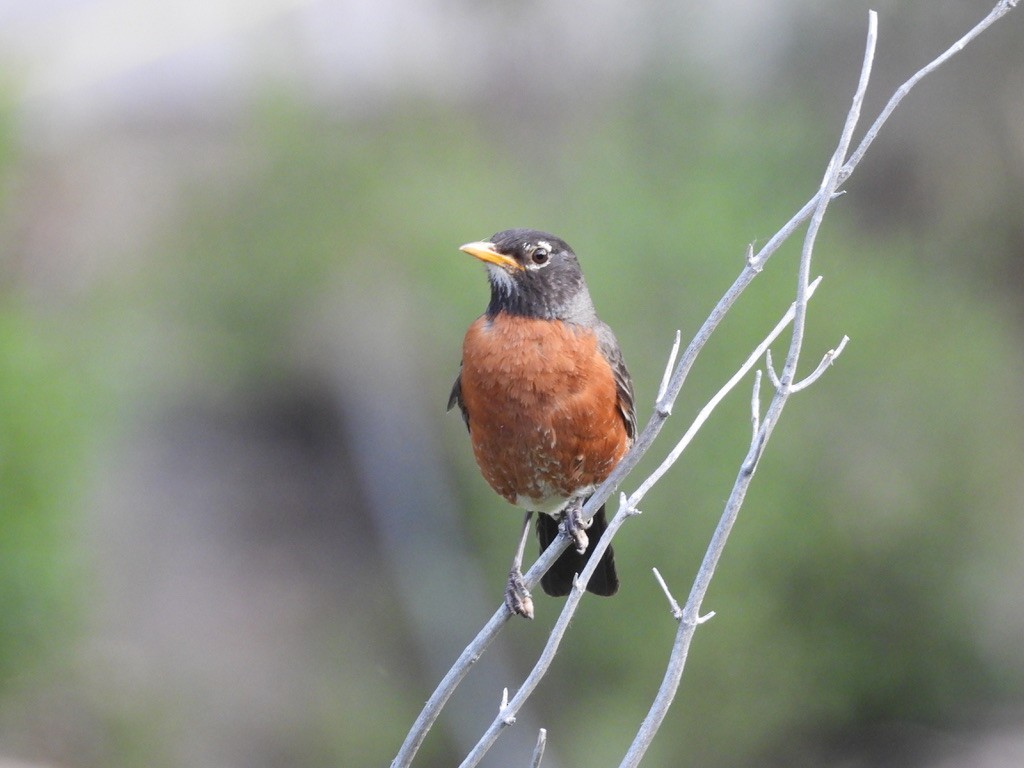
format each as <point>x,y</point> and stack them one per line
<point>557,582</point>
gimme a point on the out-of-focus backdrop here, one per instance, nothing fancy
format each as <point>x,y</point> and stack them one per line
<point>237,527</point>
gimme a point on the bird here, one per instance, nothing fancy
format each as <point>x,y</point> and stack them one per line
<point>548,401</point>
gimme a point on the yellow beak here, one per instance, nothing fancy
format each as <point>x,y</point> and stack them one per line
<point>485,252</point>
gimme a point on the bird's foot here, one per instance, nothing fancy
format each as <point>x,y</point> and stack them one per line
<point>517,596</point>
<point>575,528</point>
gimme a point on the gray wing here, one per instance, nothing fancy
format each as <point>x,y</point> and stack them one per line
<point>609,347</point>
<point>455,398</point>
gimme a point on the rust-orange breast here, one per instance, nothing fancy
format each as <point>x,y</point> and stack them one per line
<point>543,408</point>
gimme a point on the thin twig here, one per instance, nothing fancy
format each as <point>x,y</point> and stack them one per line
<point>538,751</point>
<point>755,405</point>
<point>663,387</point>
<point>677,612</point>
<point>751,262</point>
<point>503,714</point>
<point>769,366</point>
<point>827,359</point>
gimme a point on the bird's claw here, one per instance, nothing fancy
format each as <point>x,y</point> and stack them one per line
<point>576,530</point>
<point>517,596</point>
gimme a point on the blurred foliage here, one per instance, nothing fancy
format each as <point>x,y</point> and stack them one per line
<point>46,416</point>
<point>45,420</point>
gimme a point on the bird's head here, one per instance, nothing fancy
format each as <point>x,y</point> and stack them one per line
<point>533,274</point>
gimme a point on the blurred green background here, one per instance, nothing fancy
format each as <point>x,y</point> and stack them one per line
<point>237,527</point>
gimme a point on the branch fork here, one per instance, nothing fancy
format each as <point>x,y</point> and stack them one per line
<point>827,359</point>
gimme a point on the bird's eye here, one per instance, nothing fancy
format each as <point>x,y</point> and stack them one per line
<point>540,256</point>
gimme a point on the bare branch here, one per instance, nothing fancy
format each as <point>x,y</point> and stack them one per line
<point>628,507</point>
<point>828,187</point>
<point>826,361</point>
<point>538,751</point>
<point>677,612</point>
<point>753,263</point>
<point>690,620</point>
<point>626,510</point>
<point>709,408</point>
<point>663,387</point>
<point>769,366</point>
<point>503,709</point>
<point>755,403</point>
<point>539,670</point>
<point>1001,9</point>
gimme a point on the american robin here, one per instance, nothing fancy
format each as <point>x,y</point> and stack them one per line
<point>547,399</point>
